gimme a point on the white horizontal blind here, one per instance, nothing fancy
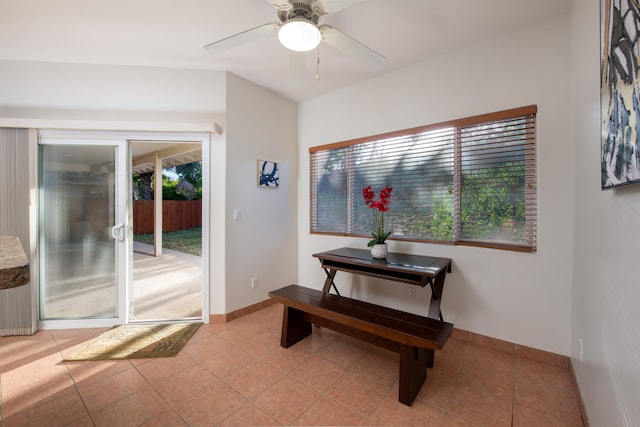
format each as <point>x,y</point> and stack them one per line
<point>469,181</point>
<point>498,175</point>
<point>329,201</point>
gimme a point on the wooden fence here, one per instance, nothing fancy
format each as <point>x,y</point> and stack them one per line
<point>176,215</point>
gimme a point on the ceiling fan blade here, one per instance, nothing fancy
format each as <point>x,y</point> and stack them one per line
<point>280,4</point>
<point>349,46</point>
<point>333,6</point>
<point>242,38</point>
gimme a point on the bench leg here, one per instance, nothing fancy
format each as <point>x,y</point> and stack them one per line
<point>430,356</point>
<point>294,328</point>
<point>412,372</point>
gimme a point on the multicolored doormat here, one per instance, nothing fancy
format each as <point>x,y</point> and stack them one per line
<point>136,341</point>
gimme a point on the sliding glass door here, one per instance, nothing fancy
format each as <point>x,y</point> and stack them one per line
<point>83,229</point>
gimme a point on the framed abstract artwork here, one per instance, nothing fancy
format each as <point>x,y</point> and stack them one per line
<point>268,174</point>
<point>619,92</point>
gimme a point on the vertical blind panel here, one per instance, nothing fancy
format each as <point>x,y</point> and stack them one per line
<point>14,184</point>
<point>450,183</point>
<point>17,311</point>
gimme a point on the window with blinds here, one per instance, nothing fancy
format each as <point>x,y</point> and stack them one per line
<point>469,181</point>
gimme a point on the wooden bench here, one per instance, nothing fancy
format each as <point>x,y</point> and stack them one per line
<point>413,337</point>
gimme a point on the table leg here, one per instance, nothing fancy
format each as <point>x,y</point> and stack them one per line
<point>329,281</point>
<point>437,285</point>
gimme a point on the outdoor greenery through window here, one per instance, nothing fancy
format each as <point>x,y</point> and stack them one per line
<point>468,181</point>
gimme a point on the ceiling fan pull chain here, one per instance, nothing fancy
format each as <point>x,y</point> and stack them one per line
<point>318,64</point>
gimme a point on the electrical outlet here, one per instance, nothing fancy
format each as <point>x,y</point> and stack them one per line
<point>254,282</point>
<point>412,292</point>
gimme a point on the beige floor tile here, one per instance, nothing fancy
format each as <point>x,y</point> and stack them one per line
<point>480,405</point>
<point>435,391</point>
<point>362,394</point>
<point>393,413</point>
<point>227,361</point>
<point>261,344</point>
<point>248,415</point>
<point>47,368</point>
<point>28,398</point>
<point>286,400</point>
<point>92,371</point>
<point>319,373</point>
<point>558,402</point>
<point>450,420</point>
<point>237,374</point>
<point>201,333</point>
<point>168,419</point>
<point>532,370</point>
<point>82,422</point>
<point>527,417</point>
<point>380,365</point>
<point>19,349</point>
<point>206,347</point>
<point>319,339</point>
<point>59,409</point>
<point>185,384</point>
<point>345,351</point>
<point>254,378</point>
<point>286,359</point>
<point>102,393</point>
<point>327,412</point>
<point>135,410</point>
<point>163,367</point>
<point>239,334</point>
<point>211,405</point>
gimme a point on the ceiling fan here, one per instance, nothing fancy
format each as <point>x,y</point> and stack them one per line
<point>298,31</point>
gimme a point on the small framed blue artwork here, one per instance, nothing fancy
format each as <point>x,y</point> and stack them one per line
<point>268,174</point>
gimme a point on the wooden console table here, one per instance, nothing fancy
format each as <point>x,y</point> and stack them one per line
<point>412,269</point>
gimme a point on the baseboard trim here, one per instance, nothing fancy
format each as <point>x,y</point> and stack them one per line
<point>583,411</point>
<point>224,318</point>
<point>512,348</point>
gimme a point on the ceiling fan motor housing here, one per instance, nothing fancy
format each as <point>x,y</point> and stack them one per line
<point>301,9</point>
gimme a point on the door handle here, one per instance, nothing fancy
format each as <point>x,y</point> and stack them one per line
<point>117,232</point>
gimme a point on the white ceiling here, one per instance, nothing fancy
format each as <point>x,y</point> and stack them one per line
<point>173,33</point>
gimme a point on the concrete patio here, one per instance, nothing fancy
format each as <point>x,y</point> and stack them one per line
<point>166,287</point>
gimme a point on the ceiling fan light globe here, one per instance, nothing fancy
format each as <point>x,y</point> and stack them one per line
<point>299,35</point>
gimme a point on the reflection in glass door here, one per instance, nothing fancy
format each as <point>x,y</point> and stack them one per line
<point>81,236</point>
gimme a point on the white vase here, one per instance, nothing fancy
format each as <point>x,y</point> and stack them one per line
<point>379,250</point>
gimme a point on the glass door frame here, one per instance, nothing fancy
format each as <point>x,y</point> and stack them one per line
<point>124,213</point>
<point>122,246</point>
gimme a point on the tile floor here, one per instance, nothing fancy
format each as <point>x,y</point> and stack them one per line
<point>236,374</point>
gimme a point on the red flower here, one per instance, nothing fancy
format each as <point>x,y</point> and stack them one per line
<point>368,195</point>
<point>380,207</point>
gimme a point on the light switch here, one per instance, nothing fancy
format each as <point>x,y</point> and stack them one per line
<point>236,214</point>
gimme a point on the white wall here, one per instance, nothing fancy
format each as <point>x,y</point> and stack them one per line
<point>520,297</point>
<point>263,242</point>
<point>606,274</point>
<point>79,91</point>
<point>145,98</point>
